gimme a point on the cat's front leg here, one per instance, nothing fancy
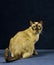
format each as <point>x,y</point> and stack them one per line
<point>35,52</point>
<point>26,55</point>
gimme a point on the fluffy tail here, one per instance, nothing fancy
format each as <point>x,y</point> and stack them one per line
<point>10,59</point>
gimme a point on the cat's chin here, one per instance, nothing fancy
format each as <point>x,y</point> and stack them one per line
<point>38,32</point>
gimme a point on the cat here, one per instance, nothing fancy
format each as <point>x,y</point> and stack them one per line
<point>22,44</point>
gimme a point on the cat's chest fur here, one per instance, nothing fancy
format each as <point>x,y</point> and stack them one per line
<point>35,38</point>
<point>32,37</point>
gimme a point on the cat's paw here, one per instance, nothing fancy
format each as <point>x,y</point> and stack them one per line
<point>35,53</point>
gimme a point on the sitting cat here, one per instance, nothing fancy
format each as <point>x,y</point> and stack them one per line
<point>22,44</point>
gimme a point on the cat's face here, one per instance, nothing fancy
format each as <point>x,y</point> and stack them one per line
<point>36,26</point>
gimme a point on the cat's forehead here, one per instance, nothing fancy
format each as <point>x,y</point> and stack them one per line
<point>35,22</point>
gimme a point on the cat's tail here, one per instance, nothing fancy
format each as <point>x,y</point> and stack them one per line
<point>10,59</point>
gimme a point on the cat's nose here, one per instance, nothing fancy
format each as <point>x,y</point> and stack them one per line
<point>36,27</point>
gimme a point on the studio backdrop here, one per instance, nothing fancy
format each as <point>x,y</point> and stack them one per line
<point>16,14</point>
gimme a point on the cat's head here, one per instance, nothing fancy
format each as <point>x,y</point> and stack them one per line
<point>36,26</point>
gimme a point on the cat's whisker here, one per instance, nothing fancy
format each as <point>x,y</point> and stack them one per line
<point>43,34</point>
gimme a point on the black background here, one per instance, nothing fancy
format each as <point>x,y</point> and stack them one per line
<point>16,14</point>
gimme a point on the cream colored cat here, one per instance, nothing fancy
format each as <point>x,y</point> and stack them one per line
<point>22,44</point>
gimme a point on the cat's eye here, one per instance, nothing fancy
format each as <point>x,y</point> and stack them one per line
<point>39,27</point>
<point>34,26</point>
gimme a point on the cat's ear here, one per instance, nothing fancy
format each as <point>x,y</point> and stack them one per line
<point>41,22</point>
<point>31,22</point>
